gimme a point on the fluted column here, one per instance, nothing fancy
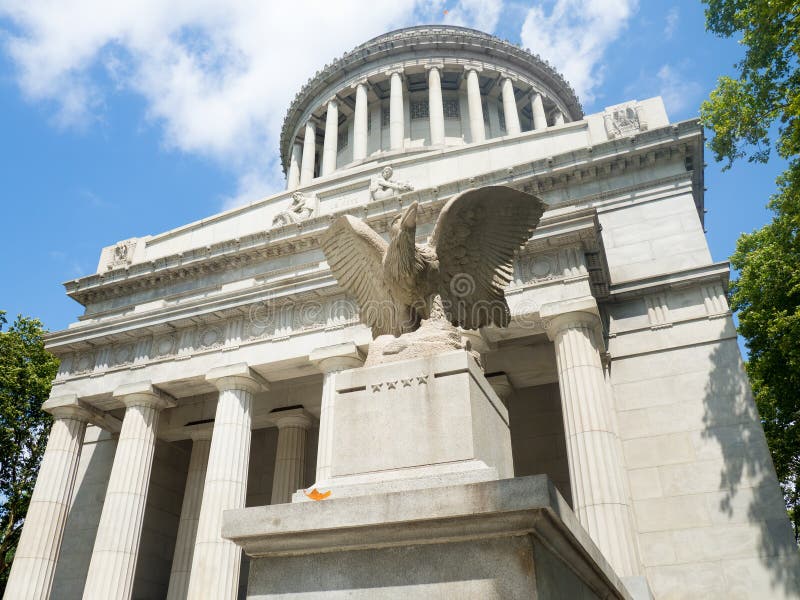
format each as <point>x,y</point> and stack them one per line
<point>331,360</point>
<point>435,105</point>
<point>360,122</point>
<point>476,125</point>
<point>290,458</point>
<point>293,176</point>
<point>217,561</point>
<point>309,153</point>
<point>510,108</point>
<point>329,145</point>
<point>190,513</point>
<point>558,118</point>
<point>539,116</point>
<point>116,547</point>
<point>39,545</point>
<point>396,117</point>
<point>599,495</point>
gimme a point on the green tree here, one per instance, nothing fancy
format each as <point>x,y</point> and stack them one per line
<point>26,373</point>
<point>749,114</point>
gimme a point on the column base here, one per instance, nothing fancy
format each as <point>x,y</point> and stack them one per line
<point>513,538</point>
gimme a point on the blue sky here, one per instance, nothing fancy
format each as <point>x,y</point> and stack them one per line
<point>127,121</point>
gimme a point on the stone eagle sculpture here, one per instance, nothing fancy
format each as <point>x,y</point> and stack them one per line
<point>458,276</point>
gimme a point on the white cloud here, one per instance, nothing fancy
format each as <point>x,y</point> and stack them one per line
<point>573,35</point>
<point>681,94</point>
<point>671,22</point>
<point>217,76</point>
<point>480,14</point>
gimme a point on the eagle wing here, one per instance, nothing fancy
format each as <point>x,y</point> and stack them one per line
<point>355,252</point>
<point>475,238</point>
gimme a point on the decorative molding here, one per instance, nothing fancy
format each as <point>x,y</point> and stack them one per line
<point>658,311</point>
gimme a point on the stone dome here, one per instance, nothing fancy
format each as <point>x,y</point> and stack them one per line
<point>414,89</point>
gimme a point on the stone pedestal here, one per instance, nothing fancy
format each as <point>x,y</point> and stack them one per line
<point>417,423</point>
<point>509,539</point>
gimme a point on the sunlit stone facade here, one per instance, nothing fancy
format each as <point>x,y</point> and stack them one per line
<point>201,375</point>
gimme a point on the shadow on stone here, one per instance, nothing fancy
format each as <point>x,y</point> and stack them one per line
<point>749,487</point>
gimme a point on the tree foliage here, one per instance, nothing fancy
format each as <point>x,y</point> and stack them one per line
<point>26,373</point>
<point>743,112</point>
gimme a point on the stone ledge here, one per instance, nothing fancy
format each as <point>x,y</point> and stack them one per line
<point>497,509</point>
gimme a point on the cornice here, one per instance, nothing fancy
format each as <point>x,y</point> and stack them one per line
<point>435,38</point>
<point>598,161</point>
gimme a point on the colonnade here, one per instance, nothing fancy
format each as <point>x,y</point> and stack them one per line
<point>205,565</point>
<point>302,159</point>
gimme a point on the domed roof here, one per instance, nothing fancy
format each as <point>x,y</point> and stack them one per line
<point>430,40</point>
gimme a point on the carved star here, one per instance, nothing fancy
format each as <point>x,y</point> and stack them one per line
<point>376,387</point>
<point>390,385</point>
<point>407,382</point>
<point>423,380</point>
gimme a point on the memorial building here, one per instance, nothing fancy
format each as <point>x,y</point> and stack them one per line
<point>218,434</point>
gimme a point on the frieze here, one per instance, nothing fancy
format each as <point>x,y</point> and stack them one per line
<point>211,259</point>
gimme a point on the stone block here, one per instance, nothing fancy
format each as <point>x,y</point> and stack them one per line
<point>664,514</point>
<point>507,539</point>
<point>417,423</point>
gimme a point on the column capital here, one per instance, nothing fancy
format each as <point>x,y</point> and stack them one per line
<point>291,417</point>
<point>338,357</point>
<point>69,406</point>
<point>434,65</point>
<point>143,393</point>
<point>558,316</point>
<point>332,102</point>
<point>360,81</point>
<point>508,76</point>
<point>401,71</point>
<point>237,376</point>
<point>473,67</point>
<point>200,431</point>
<point>501,385</point>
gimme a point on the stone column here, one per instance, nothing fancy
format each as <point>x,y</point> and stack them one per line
<point>38,548</point>
<point>510,108</point>
<point>476,125</point>
<point>331,360</point>
<point>293,176</point>
<point>290,458</point>
<point>216,561</point>
<point>537,107</point>
<point>309,151</point>
<point>558,118</point>
<point>595,465</point>
<point>396,117</point>
<point>116,546</point>
<point>435,105</point>
<point>329,145</point>
<point>360,122</point>
<point>190,513</point>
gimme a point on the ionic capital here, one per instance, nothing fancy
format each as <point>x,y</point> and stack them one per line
<point>438,65</point>
<point>473,67</point>
<point>143,393</point>
<point>238,376</point>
